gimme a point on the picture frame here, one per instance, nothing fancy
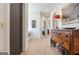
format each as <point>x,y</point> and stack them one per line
<point>33,23</point>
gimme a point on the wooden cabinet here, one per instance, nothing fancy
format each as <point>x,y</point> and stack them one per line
<point>69,39</point>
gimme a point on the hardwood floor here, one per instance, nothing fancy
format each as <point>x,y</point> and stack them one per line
<point>41,47</point>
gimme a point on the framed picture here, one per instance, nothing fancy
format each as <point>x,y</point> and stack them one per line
<point>70,14</point>
<point>33,23</point>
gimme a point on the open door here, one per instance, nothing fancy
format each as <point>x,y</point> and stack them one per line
<point>15,28</point>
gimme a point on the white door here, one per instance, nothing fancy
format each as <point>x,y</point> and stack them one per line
<point>4,28</point>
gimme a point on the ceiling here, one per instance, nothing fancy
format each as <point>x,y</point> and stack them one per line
<point>34,7</point>
<point>45,9</point>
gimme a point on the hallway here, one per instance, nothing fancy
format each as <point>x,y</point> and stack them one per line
<point>41,47</point>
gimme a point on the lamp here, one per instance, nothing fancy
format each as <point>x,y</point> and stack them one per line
<point>56,17</point>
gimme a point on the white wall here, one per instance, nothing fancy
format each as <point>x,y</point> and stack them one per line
<point>35,32</point>
<point>4,30</point>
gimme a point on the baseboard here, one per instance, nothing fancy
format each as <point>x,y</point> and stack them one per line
<point>3,53</point>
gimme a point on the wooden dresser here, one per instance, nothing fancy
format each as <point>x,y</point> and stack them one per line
<point>69,39</point>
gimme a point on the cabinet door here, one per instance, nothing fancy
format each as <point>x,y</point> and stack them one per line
<point>15,28</point>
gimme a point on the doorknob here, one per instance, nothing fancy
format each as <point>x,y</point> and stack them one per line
<point>1,24</point>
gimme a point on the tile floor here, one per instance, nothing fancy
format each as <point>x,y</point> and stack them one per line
<point>41,47</point>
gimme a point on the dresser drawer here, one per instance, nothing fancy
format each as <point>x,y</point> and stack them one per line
<point>56,39</point>
<point>62,43</point>
<point>66,36</point>
<point>65,44</point>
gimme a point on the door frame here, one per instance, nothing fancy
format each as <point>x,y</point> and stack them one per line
<point>25,27</point>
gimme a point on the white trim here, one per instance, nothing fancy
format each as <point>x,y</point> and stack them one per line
<point>25,27</point>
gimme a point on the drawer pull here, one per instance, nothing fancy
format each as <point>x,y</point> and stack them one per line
<point>62,43</point>
<point>66,35</point>
<point>59,34</point>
